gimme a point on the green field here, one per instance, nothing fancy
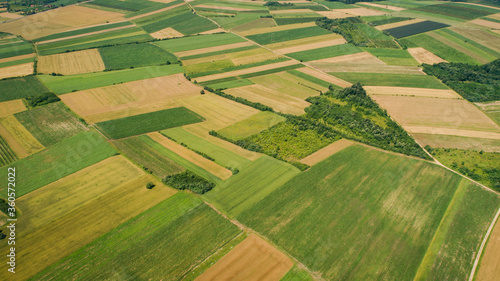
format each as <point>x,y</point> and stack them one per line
<point>7,156</point>
<point>326,52</point>
<point>286,35</point>
<point>148,154</point>
<point>436,47</point>
<point>223,52</point>
<point>467,12</point>
<point>222,156</point>
<point>393,57</point>
<point>311,79</point>
<point>51,123</point>
<point>135,55</point>
<point>251,126</point>
<point>17,88</point>
<point>230,84</point>
<point>82,31</point>
<point>170,238</point>
<point>253,183</point>
<point>127,35</point>
<point>15,49</point>
<point>198,42</point>
<point>473,49</point>
<point>297,273</point>
<point>471,42</point>
<point>396,80</point>
<point>309,17</point>
<point>130,6</point>
<point>371,210</point>
<point>73,83</point>
<point>58,161</point>
<point>148,122</point>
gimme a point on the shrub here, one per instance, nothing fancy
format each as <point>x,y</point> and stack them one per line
<point>150,185</point>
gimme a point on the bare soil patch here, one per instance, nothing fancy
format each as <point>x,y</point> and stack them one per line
<point>362,12</point>
<point>252,259</point>
<point>357,58</point>
<point>334,14</point>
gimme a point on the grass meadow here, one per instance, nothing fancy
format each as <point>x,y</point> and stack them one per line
<point>251,126</point>
<point>134,55</point>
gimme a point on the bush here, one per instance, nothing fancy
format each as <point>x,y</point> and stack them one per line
<point>42,99</point>
<point>189,180</point>
<point>150,185</point>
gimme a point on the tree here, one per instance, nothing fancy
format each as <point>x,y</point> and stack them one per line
<point>150,185</point>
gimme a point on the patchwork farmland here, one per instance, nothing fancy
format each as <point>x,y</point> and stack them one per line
<point>249,140</point>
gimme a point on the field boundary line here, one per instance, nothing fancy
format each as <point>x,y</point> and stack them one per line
<point>480,252</point>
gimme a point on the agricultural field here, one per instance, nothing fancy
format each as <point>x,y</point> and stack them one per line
<point>243,190</point>
<point>51,123</point>
<point>17,88</point>
<point>148,122</point>
<point>71,63</point>
<point>150,155</point>
<point>409,213</point>
<point>131,98</point>
<point>88,147</point>
<point>73,83</point>
<point>190,232</point>
<point>250,139</point>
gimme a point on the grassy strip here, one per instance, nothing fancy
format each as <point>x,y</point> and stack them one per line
<point>198,42</point>
<point>311,78</point>
<point>223,52</point>
<point>326,52</point>
<point>287,35</point>
<point>396,80</point>
<point>17,62</point>
<point>255,74</point>
<point>238,67</point>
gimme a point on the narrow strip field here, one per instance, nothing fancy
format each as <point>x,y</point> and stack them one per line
<point>326,152</point>
<point>413,92</point>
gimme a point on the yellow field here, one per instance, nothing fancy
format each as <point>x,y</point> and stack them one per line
<point>17,58</point>
<point>304,41</point>
<point>11,107</point>
<point>132,98</point>
<point>289,84</point>
<point>486,23</point>
<point>416,92</point>
<point>252,259</point>
<point>278,101</point>
<point>103,212</point>
<point>213,49</point>
<point>326,152</point>
<point>276,28</point>
<point>325,77</point>
<point>237,58</point>
<point>452,132</point>
<point>450,141</point>
<point>363,58</point>
<point>71,63</point>
<point>327,66</point>
<point>16,70</point>
<point>397,24</point>
<point>394,8</point>
<point>337,14</point>
<point>436,112</point>
<point>218,111</point>
<point>363,12</point>
<point>58,20</point>
<point>22,142</point>
<point>38,208</point>
<point>245,71</point>
<point>166,33</point>
<point>423,56</point>
<point>10,15</point>
<point>193,157</point>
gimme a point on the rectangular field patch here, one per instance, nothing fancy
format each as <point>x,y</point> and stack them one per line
<point>148,122</point>
<point>16,70</point>
<point>252,259</point>
<point>71,63</point>
<point>415,28</point>
<point>251,126</point>
<point>10,107</point>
